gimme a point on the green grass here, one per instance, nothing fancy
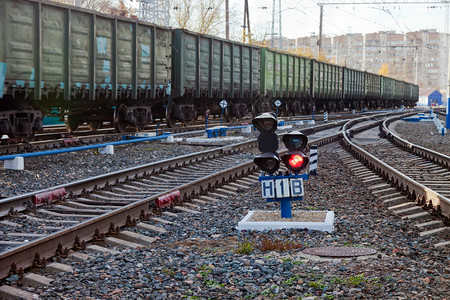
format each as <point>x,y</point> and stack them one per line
<point>318,285</point>
<point>245,247</point>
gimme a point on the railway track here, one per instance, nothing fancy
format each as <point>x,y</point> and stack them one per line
<point>410,180</point>
<point>55,137</point>
<point>106,207</point>
<point>72,214</point>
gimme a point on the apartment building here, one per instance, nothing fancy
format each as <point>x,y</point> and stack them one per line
<point>420,57</point>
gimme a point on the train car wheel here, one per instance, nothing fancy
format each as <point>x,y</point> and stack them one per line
<point>119,118</point>
<point>94,125</point>
<point>140,127</point>
<point>71,122</point>
<point>28,138</point>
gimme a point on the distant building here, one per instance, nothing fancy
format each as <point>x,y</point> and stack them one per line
<point>435,98</point>
<point>420,57</point>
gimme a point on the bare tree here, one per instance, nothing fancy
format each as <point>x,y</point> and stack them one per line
<point>122,10</point>
<point>104,6</point>
<point>209,16</point>
<point>183,13</point>
<point>114,7</point>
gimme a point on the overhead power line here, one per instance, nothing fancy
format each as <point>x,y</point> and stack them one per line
<point>369,2</point>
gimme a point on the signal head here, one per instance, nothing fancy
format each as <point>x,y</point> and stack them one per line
<point>268,162</point>
<point>295,161</point>
<point>295,140</point>
<point>265,122</point>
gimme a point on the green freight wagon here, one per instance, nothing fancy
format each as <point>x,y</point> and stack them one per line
<point>353,92</point>
<point>414,95</point>
<point>208,70</point>
<point>398,92</point>
<point>372,89</point>
<point>90,67</point>
<point>327,86</point>
<point>387,91</point>
<point>285,77</point>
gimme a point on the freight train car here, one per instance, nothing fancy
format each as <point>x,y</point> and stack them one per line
<point>353,92</point>
<point>207,69</point>
<point>285,77</point>
<point>79,64</point>
<point>327,86</point>
<point>372,90</point>
<point>86,67</point>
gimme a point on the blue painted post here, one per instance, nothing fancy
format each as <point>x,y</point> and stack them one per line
<point>277,113</point>
<point>286,208</point>
<point>157,125</point>
<point>221,117</point>
<point>447,115</point>
<point>206,118</point>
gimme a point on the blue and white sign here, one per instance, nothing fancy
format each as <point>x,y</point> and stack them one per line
<point>277,103</point>
<point>223,103</point>
<point>268,188</point>
<point>282,188</point>
<point>297,187</point>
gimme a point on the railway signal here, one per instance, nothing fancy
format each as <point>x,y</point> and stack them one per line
<point>280,188</point>
<point>295,160</point>
<point>269,160</point>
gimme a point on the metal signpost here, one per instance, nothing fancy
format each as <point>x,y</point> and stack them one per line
<point>447,114</point>
<point>222,104</point>
<point>277,104</point>
<point>206,118</point>
<point>278,187</point>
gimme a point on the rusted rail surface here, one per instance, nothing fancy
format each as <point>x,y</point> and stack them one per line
<point>435,157</point>
<point>429,199</point>
<point>24,255</point>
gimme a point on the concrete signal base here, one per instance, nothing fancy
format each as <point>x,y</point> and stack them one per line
<point>302,219</point>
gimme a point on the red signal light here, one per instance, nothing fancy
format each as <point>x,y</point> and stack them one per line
<point>296,161</point>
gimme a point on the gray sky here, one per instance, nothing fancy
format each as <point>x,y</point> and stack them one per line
<point>301,17</point>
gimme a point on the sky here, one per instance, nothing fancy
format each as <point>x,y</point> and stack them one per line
<point>302,17</point>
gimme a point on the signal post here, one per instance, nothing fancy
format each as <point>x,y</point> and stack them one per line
<point>280,188</point>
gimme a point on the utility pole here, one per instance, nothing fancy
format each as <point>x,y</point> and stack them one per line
<point>246,24</point>
<point>273,23</point>
<point>279,24</point>
<point>320,29</point>
<point>447,111</point>
<point>227,20</point>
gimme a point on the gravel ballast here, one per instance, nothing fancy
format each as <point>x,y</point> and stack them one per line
<point>204,257</point>
<point>47,171</point>
<point>423,134</point>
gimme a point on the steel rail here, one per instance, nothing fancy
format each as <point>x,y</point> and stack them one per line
<point>438,204</point>
<point>81,187</point>
<point>436,157</point>
<point>23,256</point>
